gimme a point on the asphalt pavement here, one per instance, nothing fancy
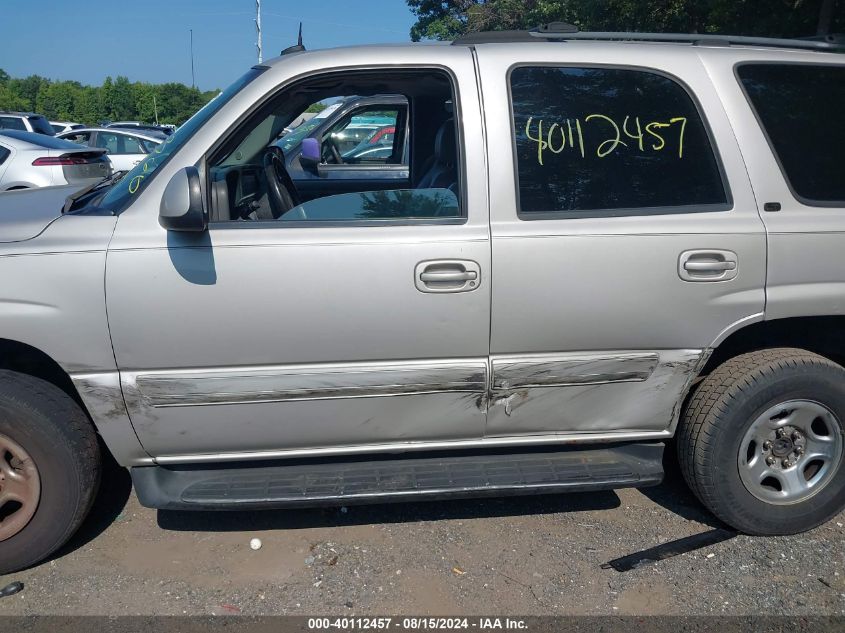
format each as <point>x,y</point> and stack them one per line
<point>530,555</point>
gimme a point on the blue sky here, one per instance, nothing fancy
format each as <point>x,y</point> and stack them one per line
<point>87,40</point>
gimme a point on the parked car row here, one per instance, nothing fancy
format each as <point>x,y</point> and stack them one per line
<point>28,160</point>
<point>32,122</point>
<point>125,149</point>
<point>75,156</point>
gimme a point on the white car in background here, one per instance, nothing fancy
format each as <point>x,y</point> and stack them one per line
<point>30,159</point>
<point>125,148</point>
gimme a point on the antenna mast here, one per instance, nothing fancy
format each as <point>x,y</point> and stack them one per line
<point>258,28</point>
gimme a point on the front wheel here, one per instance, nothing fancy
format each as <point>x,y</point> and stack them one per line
<point>761,441</point>
<point>49,469</point>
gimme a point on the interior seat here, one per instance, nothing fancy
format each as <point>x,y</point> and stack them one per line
<point>442,173</point>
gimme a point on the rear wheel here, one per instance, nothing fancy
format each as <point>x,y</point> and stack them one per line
<point>761,441</point>
<point>49,469</point>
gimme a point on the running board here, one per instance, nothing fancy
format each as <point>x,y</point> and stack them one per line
<point>377,479</point>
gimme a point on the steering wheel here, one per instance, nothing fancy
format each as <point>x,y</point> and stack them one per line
<point>281,192</point>
<point>338,159</point>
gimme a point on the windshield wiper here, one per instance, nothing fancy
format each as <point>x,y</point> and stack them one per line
<point>108,180</point>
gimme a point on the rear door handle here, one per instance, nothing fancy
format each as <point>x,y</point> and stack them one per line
<point>447,275</point>
<point>704,267</point>
<point>708,265</point>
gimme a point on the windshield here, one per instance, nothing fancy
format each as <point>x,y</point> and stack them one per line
<point>124,190</point>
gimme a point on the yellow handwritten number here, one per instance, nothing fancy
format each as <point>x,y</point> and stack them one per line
<point>562,145</point>
<point>683,121</point>
<point>541,144</point>
<point>638,136</point>
<point>135,183</point>
<point>648,130</point>
<point>614,142</point>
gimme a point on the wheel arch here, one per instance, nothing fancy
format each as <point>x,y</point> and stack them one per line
<point>823,335</point>
<point>97,394</point>
<point>29,360</point>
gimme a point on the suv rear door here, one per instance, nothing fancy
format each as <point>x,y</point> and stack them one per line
<point>625,238</point>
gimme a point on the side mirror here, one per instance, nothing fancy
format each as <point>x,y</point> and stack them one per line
<point>181,206</point>
<point>311,154</point>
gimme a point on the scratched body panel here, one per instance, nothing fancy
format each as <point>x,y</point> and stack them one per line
<point>587,393</point>
<point>277,384</point>
<point>313,406</point>
<point>103,397</point>
<point>572,369</point>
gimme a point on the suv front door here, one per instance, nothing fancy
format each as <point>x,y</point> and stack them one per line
<point>625,237</point>
<point>260,339</point>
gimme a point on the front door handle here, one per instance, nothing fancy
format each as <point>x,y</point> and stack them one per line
<point>708,265</point>
<point>447,275</point>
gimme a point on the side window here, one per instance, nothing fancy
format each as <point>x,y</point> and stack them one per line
<point>605,141</point>
<point>132,145</point>
<point>12,123</point>
<point>4,154</point>
<point>364,137</point>
<point>392,158</point>
<point>83,138</point>
<point>108,141</point>
<point>148,146</point>
<point>800,108</point>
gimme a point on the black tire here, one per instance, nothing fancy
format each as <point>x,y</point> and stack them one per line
<point>56,433</point>
<point>722,409</point>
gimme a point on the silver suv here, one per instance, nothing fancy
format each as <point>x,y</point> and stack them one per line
<point>597,246</point>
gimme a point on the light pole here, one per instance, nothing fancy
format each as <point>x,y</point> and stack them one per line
<point>258,28</point>
<point>193,81</point>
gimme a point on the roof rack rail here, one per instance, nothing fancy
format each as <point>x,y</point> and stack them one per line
<point>561,31</point>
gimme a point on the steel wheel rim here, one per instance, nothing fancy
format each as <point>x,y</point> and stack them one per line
<point>790,452</point>
<point>20,488</point>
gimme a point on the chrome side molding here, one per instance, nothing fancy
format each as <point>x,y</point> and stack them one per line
<point>307,382</point>
<point>572,369</point>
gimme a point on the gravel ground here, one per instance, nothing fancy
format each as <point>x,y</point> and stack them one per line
<point>533,555</point>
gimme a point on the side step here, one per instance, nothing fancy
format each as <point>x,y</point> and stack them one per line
<point>377,479</point>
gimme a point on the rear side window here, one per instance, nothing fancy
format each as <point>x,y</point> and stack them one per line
<point>148,145</point>
<point>12,123</point>
<point>109,142</point>
<point>4,154</point>
<point>132,145</point>
<point>800,108</point>
<point>605,141</point>
<point>79,137</point>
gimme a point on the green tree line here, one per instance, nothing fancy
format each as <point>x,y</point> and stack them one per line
<point>447,19</point>
<point>115,100</point>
